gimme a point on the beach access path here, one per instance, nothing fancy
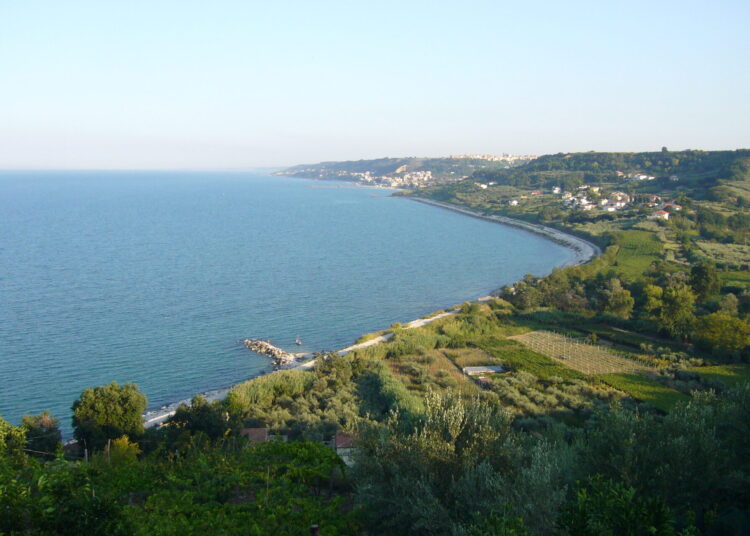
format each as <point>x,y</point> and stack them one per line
<point>418,323</point>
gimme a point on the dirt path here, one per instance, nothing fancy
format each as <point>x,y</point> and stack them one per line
<point>418,323</point>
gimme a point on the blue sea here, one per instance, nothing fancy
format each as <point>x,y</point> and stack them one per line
<point>152,277</point>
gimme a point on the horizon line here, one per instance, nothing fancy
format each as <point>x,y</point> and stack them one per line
<point>279,167</point>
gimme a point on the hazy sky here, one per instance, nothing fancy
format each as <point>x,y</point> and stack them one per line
<point>235,84</point>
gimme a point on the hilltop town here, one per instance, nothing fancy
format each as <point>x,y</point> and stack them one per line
<point>411,172</point>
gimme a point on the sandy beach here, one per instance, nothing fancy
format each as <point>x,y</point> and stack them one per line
<point>583,249</point>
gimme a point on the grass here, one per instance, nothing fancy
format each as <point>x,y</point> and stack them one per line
<point>731,375</point>
<point>735,278</point>
<point>598,228</point>
<point>638,249</point>
<point>648,225</point>
<point>516,356</point>
<point>645,390</point>
<point>471,357</point>
<point>442,364</point>
<point>435,369</point>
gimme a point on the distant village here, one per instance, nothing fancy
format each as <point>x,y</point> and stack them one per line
<point>585,197</point>
<point>404,177</point>
<point>505,157</point>
<point>590,198</point>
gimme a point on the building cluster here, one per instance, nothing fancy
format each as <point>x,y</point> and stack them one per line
<point>408,179</point>
<point>590,198</point>
<point>593,198</point>
<point>634,176</point>
<point>663,208</point>
<point>505,157</point>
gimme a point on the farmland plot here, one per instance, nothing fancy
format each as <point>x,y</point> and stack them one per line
<point>577,354</point>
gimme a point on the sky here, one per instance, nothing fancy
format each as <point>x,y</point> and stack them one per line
<point>241,84</point>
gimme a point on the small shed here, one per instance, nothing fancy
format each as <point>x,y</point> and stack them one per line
<point>480,371</point>
<point>342,440</point>
<point>343,444</point>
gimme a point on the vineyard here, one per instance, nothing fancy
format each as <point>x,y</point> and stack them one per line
<point>577,354</point>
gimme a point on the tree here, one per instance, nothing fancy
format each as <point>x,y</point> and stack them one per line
<point>202,416</point>
<point>42,432</point>
<point>653,295</point>
<point>729,305</point>
<point>676,314</point>
<point>678,458</point>
<point>608,508</point>
<point>455,468</point>
<point>723,333</point>
<point>616,300</point>
<point>123,451</point>
<point>704,279</point>
<point>108,412</point>
<point>12,439</point>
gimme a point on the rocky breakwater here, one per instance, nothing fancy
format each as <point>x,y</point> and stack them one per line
<point>280,358</point>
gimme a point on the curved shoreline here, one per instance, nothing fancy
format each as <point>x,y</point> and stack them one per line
<point>583,249</point>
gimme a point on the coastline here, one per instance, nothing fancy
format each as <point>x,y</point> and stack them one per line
<point>158,416</point>
<point>583,249</point>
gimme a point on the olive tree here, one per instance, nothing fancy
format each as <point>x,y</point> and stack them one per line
<point>108,412</point>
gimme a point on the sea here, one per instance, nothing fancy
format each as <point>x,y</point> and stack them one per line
<point>155,277</point>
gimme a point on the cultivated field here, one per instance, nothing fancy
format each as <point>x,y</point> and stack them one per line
<point>576,354</point>
<point>638,249</point>
<point>646,390</point>
<point>733,254</point>
<point>734,375</point>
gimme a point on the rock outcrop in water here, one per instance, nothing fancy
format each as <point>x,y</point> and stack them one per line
<point>279,356</point>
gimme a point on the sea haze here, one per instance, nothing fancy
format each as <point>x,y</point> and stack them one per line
<point>152,277</point>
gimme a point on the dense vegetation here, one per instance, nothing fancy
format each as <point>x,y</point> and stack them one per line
<point>621,405</point>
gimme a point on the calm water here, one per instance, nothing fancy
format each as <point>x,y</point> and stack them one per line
<point>152,277</point>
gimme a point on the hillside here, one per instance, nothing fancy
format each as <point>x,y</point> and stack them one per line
<point>410,171</point>
<point>699,171</point>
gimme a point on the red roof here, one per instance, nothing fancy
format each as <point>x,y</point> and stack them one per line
<point>343,441</point>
